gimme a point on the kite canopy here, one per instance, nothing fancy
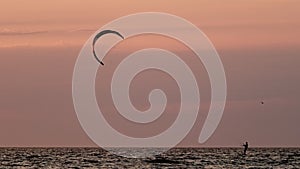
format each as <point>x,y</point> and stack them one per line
<point>98,36</point>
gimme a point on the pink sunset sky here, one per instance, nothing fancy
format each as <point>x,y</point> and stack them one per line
<point>258,43</point>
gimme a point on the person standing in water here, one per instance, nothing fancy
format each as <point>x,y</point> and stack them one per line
<point>245,147</point>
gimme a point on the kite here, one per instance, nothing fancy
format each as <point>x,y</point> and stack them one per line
<point>98,36</point>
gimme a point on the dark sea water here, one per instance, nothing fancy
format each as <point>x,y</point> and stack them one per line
<point>174,158</point>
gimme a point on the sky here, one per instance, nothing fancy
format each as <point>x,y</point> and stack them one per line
<point>258,43</point>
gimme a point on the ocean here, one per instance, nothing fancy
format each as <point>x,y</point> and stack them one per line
<point>174,158</point>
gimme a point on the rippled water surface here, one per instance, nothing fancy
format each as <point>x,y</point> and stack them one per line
<point>174,158</point>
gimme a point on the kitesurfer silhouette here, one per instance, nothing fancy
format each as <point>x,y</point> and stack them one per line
<point>245,147</point>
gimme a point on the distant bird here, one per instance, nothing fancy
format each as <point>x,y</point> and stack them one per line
<point>262,102</point>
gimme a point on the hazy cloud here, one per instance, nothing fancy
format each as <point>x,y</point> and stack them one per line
<point>12,32</point>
